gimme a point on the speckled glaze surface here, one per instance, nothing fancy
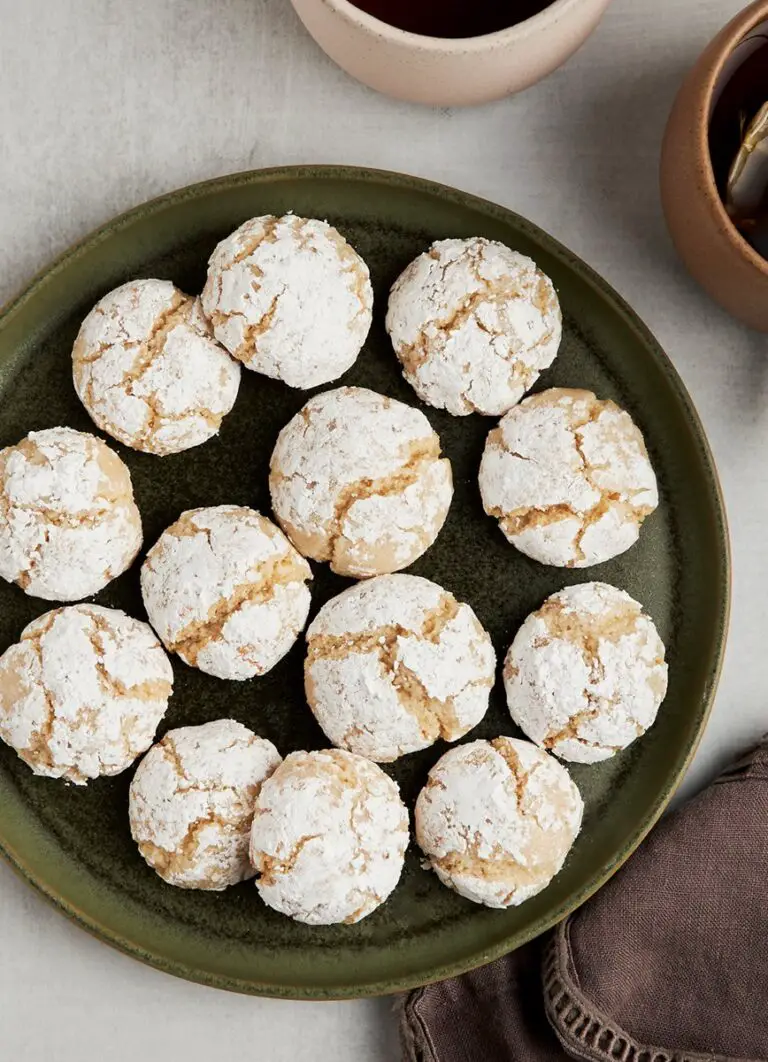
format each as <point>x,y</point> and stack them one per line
<point>74,844</point>
<point>439,71</point>
<point>714,252</point>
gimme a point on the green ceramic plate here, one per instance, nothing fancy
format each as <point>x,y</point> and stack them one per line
<point>74,844</point>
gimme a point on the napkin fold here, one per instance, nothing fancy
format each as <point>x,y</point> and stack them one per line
<point>667,963</point>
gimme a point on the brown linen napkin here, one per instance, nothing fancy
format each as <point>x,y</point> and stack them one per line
<point>668,963</point>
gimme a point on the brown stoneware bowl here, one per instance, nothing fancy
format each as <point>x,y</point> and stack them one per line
<point>716,254</point>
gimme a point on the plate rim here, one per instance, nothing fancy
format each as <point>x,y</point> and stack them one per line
<point>632,320</point>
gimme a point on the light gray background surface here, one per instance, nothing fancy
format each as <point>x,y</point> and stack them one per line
<point>105,103</point>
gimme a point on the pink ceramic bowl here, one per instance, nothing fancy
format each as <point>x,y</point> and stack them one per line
<point>713,250</point>
<point>446,72</point>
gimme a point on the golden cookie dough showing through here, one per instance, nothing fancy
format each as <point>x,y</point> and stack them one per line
<point>289,298</point>
<point>68,521</point>
<point>148,370</point>
<point>496,820</point>
<point>568,478</point>
<point>395,663</point>
<point>473,324</point>
<point>191,803</point>
<point>329,837</point>
<point>82,692</point>
<point>357,480</point>
<point>226,590</point>
<point>586,674</point>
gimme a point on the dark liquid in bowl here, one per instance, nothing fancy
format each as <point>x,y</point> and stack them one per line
<point>741,99</point>
<point>452,18</point>
<point>739,102</point>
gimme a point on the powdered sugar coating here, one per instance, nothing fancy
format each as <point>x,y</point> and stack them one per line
<point>225,589</point>
<point>289,298</point>
<point>568,478</point>
<point>395,663</point>
<point>329,837</point>
<point>192,799</point>
<point>82,692</point>
<point>68,521</point>
<point>586,674</point>
<point>473,324</point>
<point>357,479</point>
<point>148,370</point>
<point>496,820</point>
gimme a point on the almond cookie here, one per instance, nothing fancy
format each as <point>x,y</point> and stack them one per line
<point>496,820</point>
<point>288,297</point>
<point>82,692</point>
<point>568,478</point>
<point>191,803</point>
<point>148,370</point>
<point>68,521</point>
<point>329,837</point>
<point>473,324</point>
<point>225,589</point>
<point>395,663</point>
<point>357,479</point>
<point>586,674</point>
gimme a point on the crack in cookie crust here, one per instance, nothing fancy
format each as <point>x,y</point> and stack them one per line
<point>67,704</point>
<point>329,837</point>
<point>226,590</point>
<point>192,802</point>
<point>473,324</point>
<point>497,819</point>
<point>586,673</point>
<point>285,571</point>
<point>424,678</point>
<point>368,502</point>
<point>568,478</point>
<point>288,297</point>
<point>68,520</point>
<point>149,371</point>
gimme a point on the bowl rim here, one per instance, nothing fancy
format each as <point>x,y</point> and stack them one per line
<point>453,45</point>
<point>729,39</point>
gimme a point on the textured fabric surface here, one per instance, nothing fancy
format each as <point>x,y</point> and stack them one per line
<point>666,963</point>
<point>496,1012</point>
